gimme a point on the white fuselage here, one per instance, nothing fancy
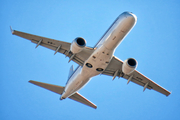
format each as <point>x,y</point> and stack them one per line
<point>102,55</point>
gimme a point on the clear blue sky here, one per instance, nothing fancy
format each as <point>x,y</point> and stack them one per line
<point>153,42</point>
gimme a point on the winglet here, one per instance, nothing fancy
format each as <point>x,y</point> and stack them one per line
<point>12,31</point>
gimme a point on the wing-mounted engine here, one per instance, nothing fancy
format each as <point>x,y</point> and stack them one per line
<point>77,45</point>
<point>129,66</point>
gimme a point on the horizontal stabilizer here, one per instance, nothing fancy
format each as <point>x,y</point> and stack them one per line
<point>53,88</point>
<point>79,98</point>
<point>59,90</point>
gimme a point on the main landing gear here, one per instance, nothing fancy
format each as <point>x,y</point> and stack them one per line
<point>90,66</point>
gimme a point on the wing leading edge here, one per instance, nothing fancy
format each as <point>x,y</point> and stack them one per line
<point>59,90</point>
<point>115,69</point>
<point>57,46</point>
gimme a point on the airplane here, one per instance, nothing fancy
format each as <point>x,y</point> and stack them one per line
<point>95,60</point>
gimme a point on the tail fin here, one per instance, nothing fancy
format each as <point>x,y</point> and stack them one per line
<point>71,71</point>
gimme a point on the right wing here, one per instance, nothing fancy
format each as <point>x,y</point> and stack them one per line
<point>57,46</point>
<point>115,69</point>
<point>59,90</point>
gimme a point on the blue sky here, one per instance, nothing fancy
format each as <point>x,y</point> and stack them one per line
<point>153,42</point>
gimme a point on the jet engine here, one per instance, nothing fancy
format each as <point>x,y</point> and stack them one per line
<point>77,45</point>
<point>129,66</point>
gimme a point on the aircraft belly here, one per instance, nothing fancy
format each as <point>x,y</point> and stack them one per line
<point>76,82</point>
<point>99,60</point>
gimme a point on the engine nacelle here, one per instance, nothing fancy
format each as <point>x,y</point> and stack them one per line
<point>77,45</point>
<point>129,66</point>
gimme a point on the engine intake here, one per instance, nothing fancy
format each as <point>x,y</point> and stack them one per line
<point>77,45</point>
<point>129,66</point>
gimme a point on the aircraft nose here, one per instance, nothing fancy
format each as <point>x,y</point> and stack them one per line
<point>130,16</point>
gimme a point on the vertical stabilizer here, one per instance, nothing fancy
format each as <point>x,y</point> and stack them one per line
<point>71,71</point>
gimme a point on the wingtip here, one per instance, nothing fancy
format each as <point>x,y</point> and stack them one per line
<point>169,93</point>
<point>12,31</point>
<point>31,81</point>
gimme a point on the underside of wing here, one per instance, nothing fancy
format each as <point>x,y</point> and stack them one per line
<point>59,90</point>
<point>53,88</point>
<point>114,65</point>
<point>115,69</point>
<point>57,46</point>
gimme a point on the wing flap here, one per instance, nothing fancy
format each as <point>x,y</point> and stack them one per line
<point>59,90</point>
<point>114,65</point>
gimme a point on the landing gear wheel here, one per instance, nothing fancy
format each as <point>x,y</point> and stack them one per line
<point>99,69</point>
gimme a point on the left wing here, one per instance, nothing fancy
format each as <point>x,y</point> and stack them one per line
<point>59,90</point>
<point>57,46</point>
<point>115,69</point>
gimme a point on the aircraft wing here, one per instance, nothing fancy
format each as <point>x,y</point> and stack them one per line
<point>59,90</point>
<point>57,46</point>
<point>115,69</point>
